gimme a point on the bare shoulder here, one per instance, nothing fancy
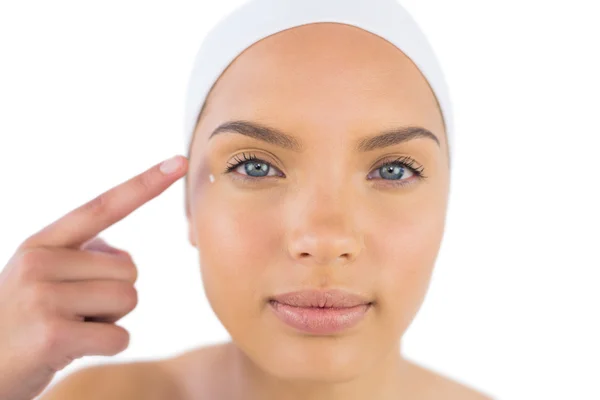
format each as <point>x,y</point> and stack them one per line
<point>200,371</point>
<point>180,377</point>
<point>433,385</point>
<point>135,380</point>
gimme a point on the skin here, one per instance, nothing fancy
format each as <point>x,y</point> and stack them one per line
<point>315,221</point>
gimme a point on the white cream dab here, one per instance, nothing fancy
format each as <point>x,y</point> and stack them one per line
<point>211,178</point>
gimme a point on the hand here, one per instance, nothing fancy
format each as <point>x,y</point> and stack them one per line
<point>64,288</point>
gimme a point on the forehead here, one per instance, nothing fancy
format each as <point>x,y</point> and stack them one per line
<point>325,76</point>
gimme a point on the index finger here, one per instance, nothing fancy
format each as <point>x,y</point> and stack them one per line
<point>88,220</point>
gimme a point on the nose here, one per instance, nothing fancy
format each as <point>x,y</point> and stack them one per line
<point>324,232</point>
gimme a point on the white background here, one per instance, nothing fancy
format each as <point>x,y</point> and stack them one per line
<point>92,93</point>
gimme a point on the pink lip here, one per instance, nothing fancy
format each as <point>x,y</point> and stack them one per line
<point>320,312</point>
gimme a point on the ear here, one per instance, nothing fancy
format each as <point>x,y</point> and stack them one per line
<point>191,232</point>
<point>191,235</point>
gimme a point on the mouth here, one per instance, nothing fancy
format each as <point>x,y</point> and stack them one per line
<point>320,312</point>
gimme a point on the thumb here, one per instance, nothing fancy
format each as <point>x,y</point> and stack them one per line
<point>99,244</point>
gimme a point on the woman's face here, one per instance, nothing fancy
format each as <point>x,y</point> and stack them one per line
<point>325,215</point>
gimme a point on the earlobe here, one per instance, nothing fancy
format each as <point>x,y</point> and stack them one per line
<point>191,234</point>
<point>192,241</point>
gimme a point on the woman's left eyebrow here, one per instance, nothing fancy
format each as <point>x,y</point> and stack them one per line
<point>276,137</point>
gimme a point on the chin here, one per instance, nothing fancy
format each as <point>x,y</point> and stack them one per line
<point>318,359</point>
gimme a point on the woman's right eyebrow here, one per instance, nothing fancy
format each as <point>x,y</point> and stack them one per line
<point>389,137</point>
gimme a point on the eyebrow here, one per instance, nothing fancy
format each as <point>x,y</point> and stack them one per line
<point>275,137</point>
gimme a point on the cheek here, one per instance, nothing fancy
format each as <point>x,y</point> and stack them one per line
<point>408,248</point>
<point>237,234</point>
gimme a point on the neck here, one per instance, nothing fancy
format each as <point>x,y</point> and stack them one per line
<point>249,382</point>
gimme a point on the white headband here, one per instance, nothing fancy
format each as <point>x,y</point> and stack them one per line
<point>257,19</point>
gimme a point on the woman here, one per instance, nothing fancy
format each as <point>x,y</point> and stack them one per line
<point>319,174</point>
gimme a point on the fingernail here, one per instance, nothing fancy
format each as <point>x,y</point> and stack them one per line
<point>171,165</point>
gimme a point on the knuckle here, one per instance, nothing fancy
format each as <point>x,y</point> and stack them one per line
<point>51,336</point>
<point>144,182</point>
<point>134,273</point>
<point>116,340</point>
<point>97,206</point>
<point>120,340</point>
<point>131,271</point>
<point>127,294</point>
<point>33,262</point>
<point>26,244</point>
<point>132,298</point>
<point>40,296</point>
<point>127,267</point>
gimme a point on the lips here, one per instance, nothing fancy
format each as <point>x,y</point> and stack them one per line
<point>320,312</point>
<point>321,299</point>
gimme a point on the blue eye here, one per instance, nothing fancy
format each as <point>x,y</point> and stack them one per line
<point>399,168</point>
<point>253,166</point>
<point>393,171</point>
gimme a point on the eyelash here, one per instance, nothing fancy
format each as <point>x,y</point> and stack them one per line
<point>403,161</point>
